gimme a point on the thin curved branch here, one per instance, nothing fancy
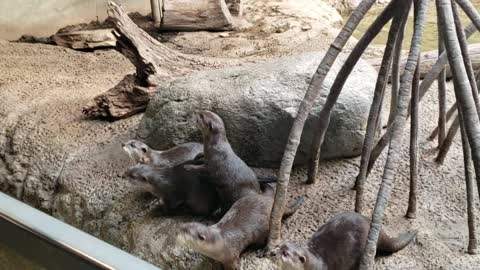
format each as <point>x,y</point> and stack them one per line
<point>336,89</point>
<point>395,36</point>
<point>394,157</point>
<point>304,109</point>
<point>424,86</point>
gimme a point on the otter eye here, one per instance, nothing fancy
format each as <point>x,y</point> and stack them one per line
<point>201,237</point>
<point>210,127</point>
<point>144,150</point>
<point>302,259</point>
<point>144,179</point>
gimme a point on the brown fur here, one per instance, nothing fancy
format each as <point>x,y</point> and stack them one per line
<point>338,244</point>
<point>177,187</point>
<point>232,178</point>
<point>245,224</point>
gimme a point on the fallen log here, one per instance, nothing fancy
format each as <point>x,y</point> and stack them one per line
<point>194,15</point>
<point>86,39</point>
<point>429,58</point>
<point>155,65</point>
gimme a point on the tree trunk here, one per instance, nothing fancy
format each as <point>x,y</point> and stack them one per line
<point>471,12</point>
<point>394,157</point>
<point>471,77</point>
<point>450,113</point>
<point>395,36</point>
<point>336,89</point>
<point>466,56</point>
<point>442,93</point>
<point>467,164</point>
<point>395,78</point>
<point>463,91</point>
<point>304,109</point>
<point>412,199</point>
<point>448,141</point>
<point>194,15</point>
<point>155,65</point>
<point>431,76</point>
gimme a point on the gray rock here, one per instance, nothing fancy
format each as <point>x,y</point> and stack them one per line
<point>258,104</point>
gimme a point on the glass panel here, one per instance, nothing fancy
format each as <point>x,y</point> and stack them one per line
<point>9,259</point>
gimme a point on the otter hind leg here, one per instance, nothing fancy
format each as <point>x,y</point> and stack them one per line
<point>391,245</point>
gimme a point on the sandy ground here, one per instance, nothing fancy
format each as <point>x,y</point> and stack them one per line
<point>441,216</point>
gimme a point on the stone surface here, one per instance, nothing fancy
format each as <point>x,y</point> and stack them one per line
<point>86,39</point>
<point>258,104</point>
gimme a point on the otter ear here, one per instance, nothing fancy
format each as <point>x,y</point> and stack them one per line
<point>302,259</point>
<point>201,237</point>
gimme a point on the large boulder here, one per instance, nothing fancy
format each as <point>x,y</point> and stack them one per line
<point>258,104</point>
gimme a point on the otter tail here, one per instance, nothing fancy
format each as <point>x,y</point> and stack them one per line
<point>390,245</point>
<point>293,207</point>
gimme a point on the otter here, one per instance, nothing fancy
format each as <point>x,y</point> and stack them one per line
<point>245,224</point>
<point>338,244</point>
<point>176,187</point>
<point>139,152</point>
<point>232,178</point>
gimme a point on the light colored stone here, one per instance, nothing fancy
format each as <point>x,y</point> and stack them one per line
<point>258,104</point>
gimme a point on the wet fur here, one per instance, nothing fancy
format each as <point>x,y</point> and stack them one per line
<point>177,187</point>
<point>232,178</point>
<point>139,152</point>
<point>245,224</point>
<point>338,244</point>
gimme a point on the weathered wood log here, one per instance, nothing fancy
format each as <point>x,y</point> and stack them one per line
<point>86,39</point>
<point>194,15</point>
<point>155,65</point>
<point>429,58</point>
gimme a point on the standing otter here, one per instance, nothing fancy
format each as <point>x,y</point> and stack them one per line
<point>338,244</point>
<point>232,178</point>
<point>177,188</point>
<point>141,153</point>
<point>245,224</point>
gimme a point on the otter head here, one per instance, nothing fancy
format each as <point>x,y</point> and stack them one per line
<point>290,256</point>
<point>137,151</point>
<point>209,123</point>
<point>142,176</point>
<point>203,239</point>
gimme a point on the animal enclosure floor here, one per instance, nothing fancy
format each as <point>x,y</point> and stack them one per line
<point>28,72</point>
